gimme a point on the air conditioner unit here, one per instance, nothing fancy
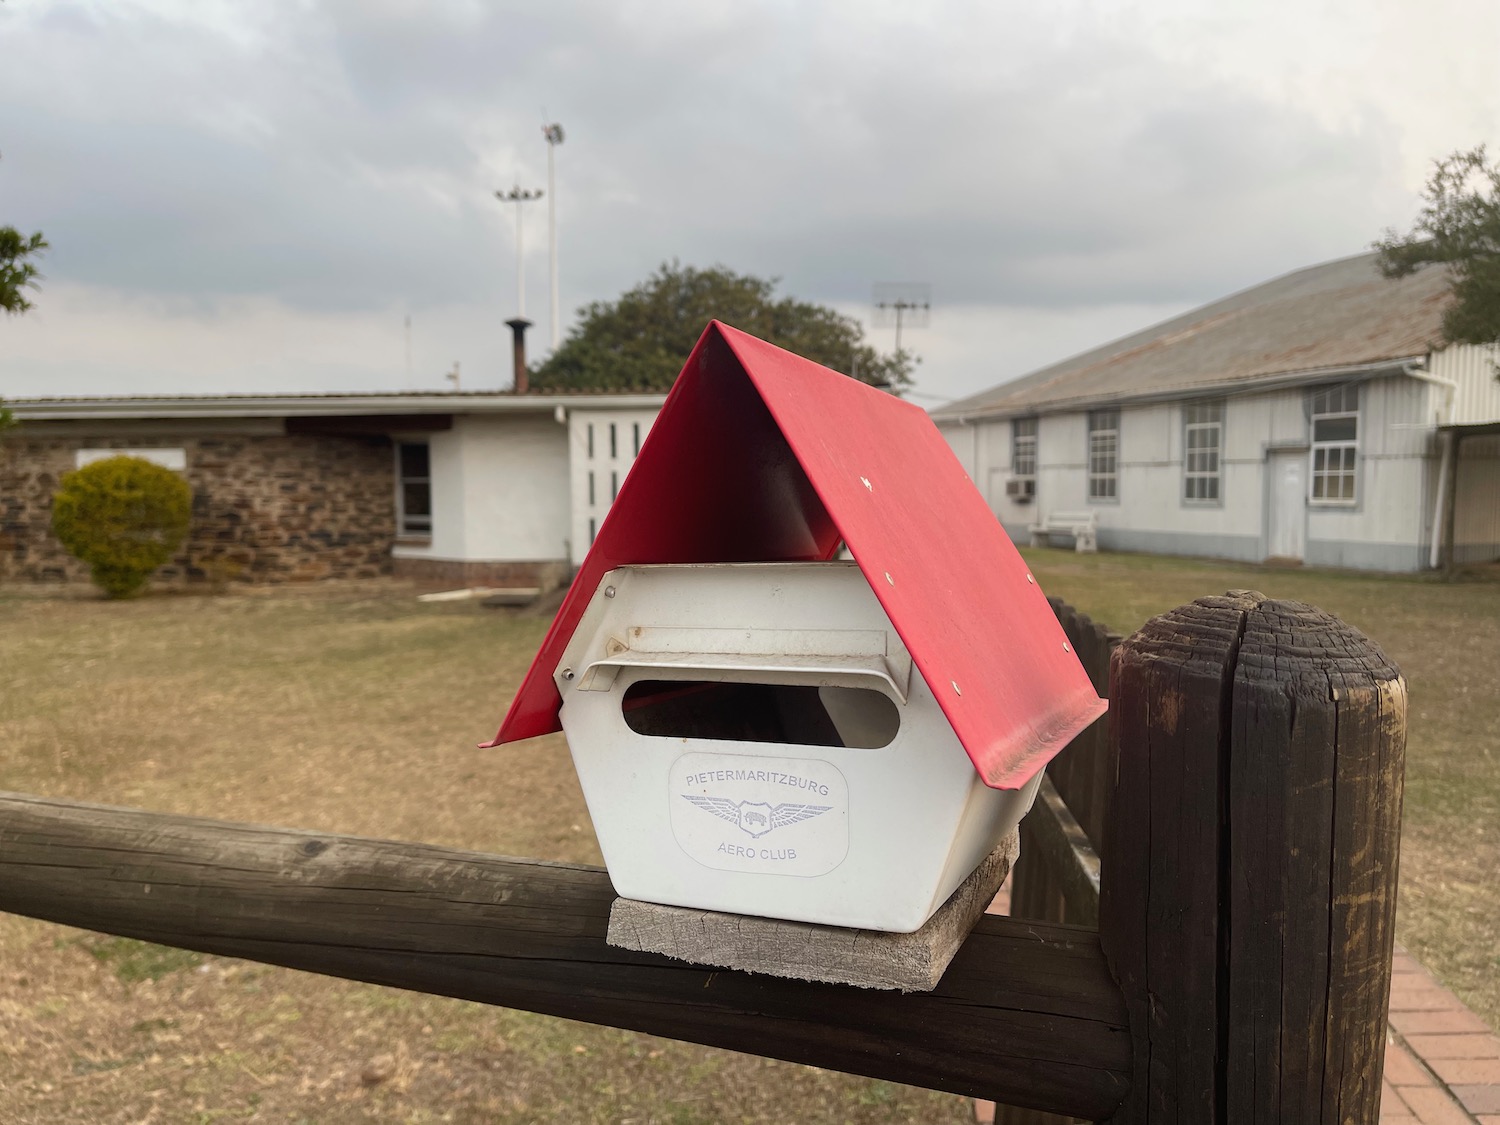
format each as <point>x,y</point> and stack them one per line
<point>1021,489</point>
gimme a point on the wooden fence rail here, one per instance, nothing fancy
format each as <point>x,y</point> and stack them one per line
<point>1025,1013</point>
<point>1238,819</point>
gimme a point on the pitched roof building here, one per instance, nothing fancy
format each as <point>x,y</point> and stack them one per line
<point>1259,426</point>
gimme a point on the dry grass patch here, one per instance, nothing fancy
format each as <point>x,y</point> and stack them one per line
<point>357,709</point>
<point>345,709</point>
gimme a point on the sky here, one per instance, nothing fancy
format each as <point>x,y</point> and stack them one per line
<point>259,197</point>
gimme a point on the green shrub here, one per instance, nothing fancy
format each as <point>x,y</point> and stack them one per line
<point>123,517</point>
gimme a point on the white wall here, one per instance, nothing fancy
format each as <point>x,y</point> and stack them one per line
<point>604,459</point>
<point>1396,466</point>
<point>499,490</point>
<point>1387,528</point>
<point>1477,398</point>
<point>515,487</point>
<point>1476,507</point>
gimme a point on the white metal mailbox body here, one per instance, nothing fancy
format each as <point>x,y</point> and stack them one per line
<point>874,831</point>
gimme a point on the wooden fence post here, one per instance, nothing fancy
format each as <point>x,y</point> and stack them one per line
<point>1042,885</point>
<point>1080,775</point>
<point>1249,885</point>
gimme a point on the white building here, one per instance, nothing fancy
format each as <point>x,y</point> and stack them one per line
<point>450,488</point>
<point>1316,417</point>
<point>518,482</point>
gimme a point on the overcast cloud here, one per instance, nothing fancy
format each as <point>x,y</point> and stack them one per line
<point>249,197</point>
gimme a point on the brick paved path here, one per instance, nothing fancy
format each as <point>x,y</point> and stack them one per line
<point>1442,1064</point>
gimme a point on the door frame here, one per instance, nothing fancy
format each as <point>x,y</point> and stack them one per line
<point>1268,503</point>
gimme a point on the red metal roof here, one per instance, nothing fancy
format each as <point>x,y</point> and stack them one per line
<point>759,455</point>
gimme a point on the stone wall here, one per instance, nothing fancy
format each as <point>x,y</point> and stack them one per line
<point>266,508</point>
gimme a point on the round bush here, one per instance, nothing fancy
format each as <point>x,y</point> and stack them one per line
<point>123,517</point>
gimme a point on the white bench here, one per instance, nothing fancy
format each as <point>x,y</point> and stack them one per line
<point>1082,526</point>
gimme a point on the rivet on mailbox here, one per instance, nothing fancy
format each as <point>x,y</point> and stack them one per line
<point>751,719</point>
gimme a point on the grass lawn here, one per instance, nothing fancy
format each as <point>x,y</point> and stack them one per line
<point>347,709</point>
<point>357,709</point>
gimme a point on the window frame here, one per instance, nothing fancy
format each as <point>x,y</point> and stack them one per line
<point>1016,436</point>
<point>1197,475</point>
<point>1347,449</point>
<point>1101,448</point>
<point>1027,430</point>
<point>405,530</point>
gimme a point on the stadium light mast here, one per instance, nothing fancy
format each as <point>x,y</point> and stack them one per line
<point>902,300</point>
<point>554,135</point>
<point>518,196</point>
<point>518,324</point>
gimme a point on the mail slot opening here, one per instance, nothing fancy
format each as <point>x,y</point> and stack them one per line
<point>784,714</point>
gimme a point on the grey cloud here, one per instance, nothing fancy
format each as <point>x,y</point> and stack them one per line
<point>343,157</point>
<point>1034,195</point>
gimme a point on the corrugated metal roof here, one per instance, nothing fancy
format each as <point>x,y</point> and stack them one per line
<point>1325,318</point>
<point>543,395</point>
<point>313,405</point>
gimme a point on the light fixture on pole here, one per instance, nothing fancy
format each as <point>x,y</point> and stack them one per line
<point>518,324</point>
<point>518,196</point>
<point>898,301</point>
<point>554,135</point>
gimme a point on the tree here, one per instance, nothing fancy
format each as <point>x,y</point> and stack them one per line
<point>640,341</point>
<point>1460,225</point>
<point>16,273</point>
<point>124,517</point>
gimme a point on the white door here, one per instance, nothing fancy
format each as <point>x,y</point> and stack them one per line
<point>1287,535</point>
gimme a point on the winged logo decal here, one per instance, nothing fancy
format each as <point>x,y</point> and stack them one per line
<point>756,818</point>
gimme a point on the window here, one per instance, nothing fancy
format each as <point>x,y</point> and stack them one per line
<point>1202,445</point>
<point>636,429</point>
<point>1335,444</point>
<point>1104,454</point>
<point>1023,447</point>
<point>614,440</point>
<point>1022,486</point>
<point>413,489</point>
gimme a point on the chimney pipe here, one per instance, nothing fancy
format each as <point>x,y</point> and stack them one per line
<point>521,382</point>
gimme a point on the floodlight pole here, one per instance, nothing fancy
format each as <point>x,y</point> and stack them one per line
<point>519,196</point>
<point>901,307</point>
<point>554,135</point>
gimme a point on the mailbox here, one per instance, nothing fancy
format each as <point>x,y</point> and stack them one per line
<point>754,738</point>
<point>762,729</point>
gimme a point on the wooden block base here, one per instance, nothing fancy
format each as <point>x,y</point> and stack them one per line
<point>911,962</point>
